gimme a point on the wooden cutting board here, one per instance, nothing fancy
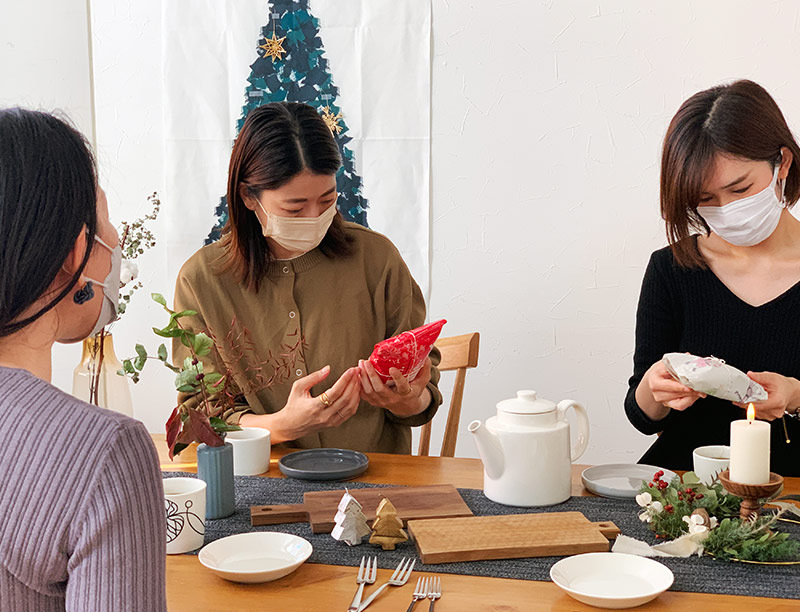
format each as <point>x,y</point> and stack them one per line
<point>319,507</point>
<point>512,536</point>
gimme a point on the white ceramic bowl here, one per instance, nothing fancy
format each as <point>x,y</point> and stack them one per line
<point>255,557</point>
<point>611,580</point>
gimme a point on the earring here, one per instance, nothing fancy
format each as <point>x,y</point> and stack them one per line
<point>84,294</point>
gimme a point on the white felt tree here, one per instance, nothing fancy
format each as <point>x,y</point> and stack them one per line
<point>351,524</point>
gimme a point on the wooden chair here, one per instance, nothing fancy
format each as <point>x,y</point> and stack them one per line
<point>458,353</point>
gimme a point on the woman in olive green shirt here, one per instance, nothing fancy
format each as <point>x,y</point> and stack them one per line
<point>297,298</point>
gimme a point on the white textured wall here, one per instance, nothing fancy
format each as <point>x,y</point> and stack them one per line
<point>547,123</point>
<point>44,64</point>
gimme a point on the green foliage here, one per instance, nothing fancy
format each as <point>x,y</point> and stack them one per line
<point>732,538</point>
<point>681,497</point>
<point>135,239</point>
<point>751,541</point>
<point>204,424</point>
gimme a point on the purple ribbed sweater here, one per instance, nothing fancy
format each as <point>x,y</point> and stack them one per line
<point>81,505</point>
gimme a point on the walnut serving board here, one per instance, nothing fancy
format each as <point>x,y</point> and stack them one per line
<point>319,507</point>
<point>512,536</point>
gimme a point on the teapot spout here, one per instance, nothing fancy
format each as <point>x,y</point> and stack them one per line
<point>489,449</point>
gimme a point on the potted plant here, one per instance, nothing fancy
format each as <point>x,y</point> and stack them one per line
<point>207,393</point>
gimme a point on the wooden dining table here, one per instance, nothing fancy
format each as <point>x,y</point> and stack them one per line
<point>316,587</point>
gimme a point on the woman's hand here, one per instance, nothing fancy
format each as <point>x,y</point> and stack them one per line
<point>304,414</point>
<point>407,398</point>
<point>783,392</point>
<point>659,391</point>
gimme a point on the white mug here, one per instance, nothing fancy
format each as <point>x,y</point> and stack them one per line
<point>251,450</point>
<point>185,507</point>
<point>709,461</point>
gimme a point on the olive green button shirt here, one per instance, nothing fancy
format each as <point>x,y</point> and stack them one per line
<point>309,312</point>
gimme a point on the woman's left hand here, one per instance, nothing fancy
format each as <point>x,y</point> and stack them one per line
<point>406,398</point>
<point>783,392</point>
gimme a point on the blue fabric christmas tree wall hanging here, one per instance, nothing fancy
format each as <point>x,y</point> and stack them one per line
<point>291,66</point>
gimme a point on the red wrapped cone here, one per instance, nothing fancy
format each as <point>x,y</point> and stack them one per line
<point>406,352</point>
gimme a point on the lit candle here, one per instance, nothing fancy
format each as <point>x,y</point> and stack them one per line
<point>750,450</point>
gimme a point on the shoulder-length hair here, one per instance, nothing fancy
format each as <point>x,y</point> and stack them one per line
<point>48,195</point>
<point>739,119</point>
<point>277,141</point>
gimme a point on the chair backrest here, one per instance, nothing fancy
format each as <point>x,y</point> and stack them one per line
<point>458,353</point>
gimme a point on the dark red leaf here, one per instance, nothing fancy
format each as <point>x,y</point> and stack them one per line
<point>201,427</point>
<point>173,429</point>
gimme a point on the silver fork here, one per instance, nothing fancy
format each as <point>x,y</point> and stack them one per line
<point>420,592</point>
<point>399,578</point>
<point>367,572</point>
<point>434,591</point>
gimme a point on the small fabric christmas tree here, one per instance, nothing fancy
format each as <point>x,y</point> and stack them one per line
<point>351,524</point>
<point>387,529</point>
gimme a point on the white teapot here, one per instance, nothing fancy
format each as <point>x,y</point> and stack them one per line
<point>526,450</point>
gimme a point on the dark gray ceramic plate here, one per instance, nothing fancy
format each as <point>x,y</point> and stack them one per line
<point>620,479</point>
<point>324,464</point>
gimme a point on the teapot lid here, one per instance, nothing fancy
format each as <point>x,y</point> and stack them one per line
<point>526,402</point>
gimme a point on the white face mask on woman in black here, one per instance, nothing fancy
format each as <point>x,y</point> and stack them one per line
<point>748,221</point>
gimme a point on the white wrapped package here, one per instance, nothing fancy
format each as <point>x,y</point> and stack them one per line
<point>713,376</point>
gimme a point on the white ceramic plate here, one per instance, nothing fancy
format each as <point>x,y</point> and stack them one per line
<point>255,557</point>
<point>620,479</point>
<point>611,580</point>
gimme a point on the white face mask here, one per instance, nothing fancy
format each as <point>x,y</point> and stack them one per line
<point>298,235</point>
<point>748,221</point>
<point>108,311</point>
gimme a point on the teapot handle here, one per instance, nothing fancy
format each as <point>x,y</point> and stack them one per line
<point>583,426</point>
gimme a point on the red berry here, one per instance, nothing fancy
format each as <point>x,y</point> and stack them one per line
<point>699,496</point>
<point>658,474</point>
<point>651,485</point>
<point>669,507</point>
<point>680,496</point>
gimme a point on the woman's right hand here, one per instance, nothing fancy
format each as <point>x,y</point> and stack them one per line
<point>658,392</point>
<point>304,414</point>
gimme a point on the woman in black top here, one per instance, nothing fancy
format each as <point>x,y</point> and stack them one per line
<point>729,283</point>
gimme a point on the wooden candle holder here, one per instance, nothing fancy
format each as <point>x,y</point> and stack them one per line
<point>751,494</point>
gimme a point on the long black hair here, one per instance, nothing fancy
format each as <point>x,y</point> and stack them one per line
<point>277,142</point>
<point>48,195</point>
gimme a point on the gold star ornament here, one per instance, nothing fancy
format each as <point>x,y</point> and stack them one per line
<point>331,120</point>
<point>273,47</point>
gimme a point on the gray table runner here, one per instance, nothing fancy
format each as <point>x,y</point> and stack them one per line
<point>698,575</point>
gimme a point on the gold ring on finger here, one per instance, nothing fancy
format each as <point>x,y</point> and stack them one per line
<point>325,400</point>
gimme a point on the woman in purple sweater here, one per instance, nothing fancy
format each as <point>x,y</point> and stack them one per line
<point>81,502</point>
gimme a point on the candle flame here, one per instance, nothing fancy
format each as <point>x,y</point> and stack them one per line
<point>751,413</point>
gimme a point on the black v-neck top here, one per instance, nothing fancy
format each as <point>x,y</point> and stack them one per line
<point>692,310</point>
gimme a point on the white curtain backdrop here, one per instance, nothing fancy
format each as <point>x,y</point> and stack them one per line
<point>208,47</point>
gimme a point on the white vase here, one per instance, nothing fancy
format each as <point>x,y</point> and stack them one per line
<point>113,391</point>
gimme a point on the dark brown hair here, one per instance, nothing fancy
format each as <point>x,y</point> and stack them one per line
<point>48,195</point>
<point>277,142</point>
<point>739,119</point>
